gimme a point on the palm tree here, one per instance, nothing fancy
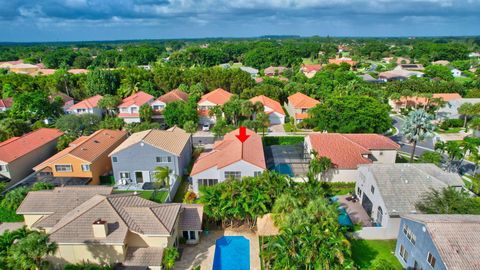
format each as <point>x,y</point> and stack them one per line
<point>417,127</point>
<point>31,252</point>
<point>466,110</point>
<point>162,178</point>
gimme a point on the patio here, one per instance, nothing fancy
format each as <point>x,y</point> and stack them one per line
<point>355,211</point>
<point>292,155</point>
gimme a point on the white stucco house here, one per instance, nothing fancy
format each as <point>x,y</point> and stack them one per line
<point>348,151</point>
<point>387,191</point>
<point>229,159</point>
<point>273,108</point>
<point>88,105</point>
<point>214,98</point>
<point>129,110</point>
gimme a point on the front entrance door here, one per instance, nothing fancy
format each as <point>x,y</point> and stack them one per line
<point>367,205</point>
<point>139,177</point>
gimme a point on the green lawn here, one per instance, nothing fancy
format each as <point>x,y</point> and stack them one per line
<point>147,194</point>
<point>364,252</point>
<point>282,140</point>
<point>309,61</point>
<point>451,130</point>
<point>182,189</point>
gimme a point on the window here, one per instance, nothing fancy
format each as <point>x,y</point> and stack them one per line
<point>3,168</point>
<point>164,159</point>
<point>63,168</point>
<point>207,182</point>
<point>403,253</point>
<point>431,260</point>
<point>114,159</point>
<point>409,234</point>
<point>124,110</point>
<point>372,189</point>
<point>359,192</point>
<point>257,173</point>
<point>304,110</point>
<point>157,107</point>
<point>193,236</point>
<point>189,235</point>
<point>234,175</point>
<point>124,175</point>
<point>134,109</point>
<point>85,168</point>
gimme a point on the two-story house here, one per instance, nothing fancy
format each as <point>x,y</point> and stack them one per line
<point>217,97</point>
<point>273,108</point>
<point>160,103</point>
<point>347,151</point>
<point>129,110</point>
<point>387,191</point>
<point>86,157</point>
<point>229,159</point>
<point>134,161</point>
<point>298,106</point>
<point>18,155</point>
<point>89,105</point>
<point>89,224</point>
<point>439,242</point>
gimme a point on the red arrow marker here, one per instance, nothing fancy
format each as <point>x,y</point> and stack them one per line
<point>243,134</point>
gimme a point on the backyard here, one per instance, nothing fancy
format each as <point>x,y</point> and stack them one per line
<point>366,252</point>
<point>147,194</point>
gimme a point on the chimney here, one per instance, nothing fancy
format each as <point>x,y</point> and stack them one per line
<point>100,228</point>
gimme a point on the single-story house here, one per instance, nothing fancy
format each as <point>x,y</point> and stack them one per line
<point>91,225</point>
<point>129,110</point>
<point>439,242</point>
<point>415,101</point>
<point>160,103</point>
<point>298,106</point>
<point>18,155</point>
<point>338,61</point>
<point>309,70</point>
<point>229,159</point>
<point>450,110</point>
<point>217,97</point>
<point>398,75</point>
<point>89,105</point>
<point>348,151</point>
<point>274,71</point>
<point>252,71</point>
<point>273,108</point>
<point>369,78</point>
<point>411,67</point>
<point>86,157</point>
<point>387,191</point>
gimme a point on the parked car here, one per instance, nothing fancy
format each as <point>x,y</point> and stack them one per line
<point>205,127</point>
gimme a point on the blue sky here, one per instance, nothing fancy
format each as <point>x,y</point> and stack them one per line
<point>72,20</point>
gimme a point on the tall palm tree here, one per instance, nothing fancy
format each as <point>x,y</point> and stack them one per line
<point>162,178</point>
<point>466,110</point>
<point>417,127</point>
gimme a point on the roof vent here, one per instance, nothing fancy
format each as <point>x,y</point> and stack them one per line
<point>100,228</point>
<point>84,149</point>
<point>95,141</point>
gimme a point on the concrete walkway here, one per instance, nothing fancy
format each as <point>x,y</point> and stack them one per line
<point>202,254</point>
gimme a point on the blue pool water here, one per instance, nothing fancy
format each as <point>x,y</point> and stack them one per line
<point>232,253</point>
<point>283,168</point>
<point>343,218</point>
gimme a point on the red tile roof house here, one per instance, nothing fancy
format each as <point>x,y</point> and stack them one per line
<point>18,155</point>
<point>229,159</point>
<point>414,101</point>
<point>88,105</point>
<point>298,105</point>
<point>5,104</point>
<point>67,100</point>
<point>273,108</point>
<point>274,71</point>
<point>129,110</point>
<point>310,70</point>
<point>217,97</point>
<point>338,61</point>
<point>347,151</point>
<point>160,103</point>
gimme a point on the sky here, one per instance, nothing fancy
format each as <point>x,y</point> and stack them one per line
<point>79,20</point>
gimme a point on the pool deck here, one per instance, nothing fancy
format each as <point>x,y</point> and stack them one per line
<point>355,211</point>
<point>202,253</point>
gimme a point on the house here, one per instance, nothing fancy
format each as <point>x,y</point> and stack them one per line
<point>410,67</point>
<point>398,75</point>
<point>129,110</point>
<point>160,103</point>
<point>46,71</point>
<point>387,191</point>
<point>89,105</point>
<point>339,61</point>
<point>24,68</point>
<point>348,151</point>
<point>456,73</point>
<point>370,79</point>
<point>309,70</point>
<point>18,155</point>
<point>450,110</point>
<point>217,97</point>
<point>66,99</point>
<point>298,106</point>
<point>134,161</point>
<point>89,224</point>
<point>78,71</point>
<point>9,64</point>
<point>229,159</point>
<point>252,71</point>
<point>415,101</point>
<point>5,104</point>
<point>86,157</point>
<point>439,242</point>
<point>272,107</point>
<point>274,71</point>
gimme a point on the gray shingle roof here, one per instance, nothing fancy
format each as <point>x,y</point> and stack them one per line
<point>402,185</point>
<point>151,256</point>
<point>191,217</point>
<point>456,237</point>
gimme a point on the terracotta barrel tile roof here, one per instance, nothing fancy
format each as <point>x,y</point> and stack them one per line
<point>217,96</point>
<point>174,95</point>
<point>300,100</point>
<point>138,99</point>
<point>266,101</point>
<point>88,103</point>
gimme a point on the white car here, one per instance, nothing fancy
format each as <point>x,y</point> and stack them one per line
<point>205,127</point>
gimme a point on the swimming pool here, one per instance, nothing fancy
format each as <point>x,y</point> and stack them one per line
<point>232,253</point>
<point>284,168</point>
<point>343,218</point>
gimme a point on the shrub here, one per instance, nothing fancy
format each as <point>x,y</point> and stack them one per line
<point>283,140</point>
<point>451,123</point>
<point>86,266</point>
<point>170,255</point>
